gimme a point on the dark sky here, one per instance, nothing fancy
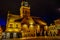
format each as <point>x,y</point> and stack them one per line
<point>48,10</point>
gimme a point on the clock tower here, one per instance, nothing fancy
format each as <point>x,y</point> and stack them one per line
<point>25,9</point>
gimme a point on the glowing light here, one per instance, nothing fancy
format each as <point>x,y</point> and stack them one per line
<point>16,30</point>
<point>46,27</point>
<point>58,10</point>
<point>31,21</point>
<point>10,30</point>
<point>25,25</point>
<point>31,26</point>
<point>38,26</point>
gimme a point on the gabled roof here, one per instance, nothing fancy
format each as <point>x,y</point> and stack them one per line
<point>27,20</point>
<point>35,20</point>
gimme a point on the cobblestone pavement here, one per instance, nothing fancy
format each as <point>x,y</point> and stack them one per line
<point>36,38</point>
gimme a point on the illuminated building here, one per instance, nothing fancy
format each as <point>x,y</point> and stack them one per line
<point>52,30</point>
<point>24,23</point>
<point>57,24</point>
<point>0,32</point>
<point>30,24</point>
<point>12,27</point>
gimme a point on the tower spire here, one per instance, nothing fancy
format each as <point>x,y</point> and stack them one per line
<point>25,9</point>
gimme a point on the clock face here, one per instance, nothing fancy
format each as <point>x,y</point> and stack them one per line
<point>25,3</point>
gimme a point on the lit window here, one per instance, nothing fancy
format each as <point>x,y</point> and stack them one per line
<point>16,26</point>
<point>11,25</point>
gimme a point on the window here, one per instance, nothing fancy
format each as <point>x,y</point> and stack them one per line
<point>16,25</point>
<point>11,25</point>
<point>24,11</point>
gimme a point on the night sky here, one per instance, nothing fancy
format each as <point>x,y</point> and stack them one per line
<point>48,10</point>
